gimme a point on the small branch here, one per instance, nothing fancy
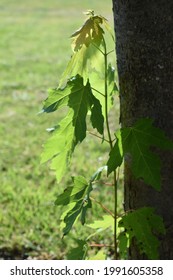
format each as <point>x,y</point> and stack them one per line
<point>106,184</point>
<point>100,245</point>
<point>126,212</point>
<point>98,91</point>
<point>93,134</point>
<point>110,52</point>
<point>98,49</point>
<point>103,207</point>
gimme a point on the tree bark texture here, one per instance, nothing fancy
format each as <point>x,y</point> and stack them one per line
<point>144,48</point>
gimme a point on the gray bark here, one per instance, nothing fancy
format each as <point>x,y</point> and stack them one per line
<point>144,48</point>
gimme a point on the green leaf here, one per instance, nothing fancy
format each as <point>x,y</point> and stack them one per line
<point>57,98</point>
<point>72,129</point>
<point>90,33</point>
<point>116,155</point>
<point>141,225</point>
<point>62,96</point>
<point>136,142</point>
<point>78,194</point>
<point>81,101</point>
<point>78,101</point>
<point>60,146</point>
<point>97,119</point>
<point>105,223</point>
<point>101,255</point>
<point>79,252</point>
<point>123,245</point>
<point>112,87</point>
<point>83,63</point>
<point>97,174</point>
<point>86,45</point>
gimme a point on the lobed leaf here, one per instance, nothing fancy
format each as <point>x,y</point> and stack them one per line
<point>86,45</point>
<point>100,255</point>
<point>89,33</point>
<point>137,141</point>
<point>57,98</point>
<point>97,119</point>
<point>72,129</point>
<point>116,154</point>
<point>60,146</point>
<point>81,101</point>
<point>78,195</point>
<point>83,63</point>
<point>97,174</point>
<point>79,252</point>
<point>112,87</point>
<point>106,222</point>
<point>142,224</point>
<point>123,244</point>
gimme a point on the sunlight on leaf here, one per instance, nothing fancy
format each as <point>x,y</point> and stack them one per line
<point>89,33</point>
<point>60,146</point>
<point>106,222</point>
<point>97,174</point>
<point>87,47</point>
<point>101,255</point>
<point>72,129</point>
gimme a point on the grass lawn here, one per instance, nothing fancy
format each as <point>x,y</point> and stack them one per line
<point>34,50</point>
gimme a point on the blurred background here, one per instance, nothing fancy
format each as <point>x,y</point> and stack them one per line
<point>34,51</point>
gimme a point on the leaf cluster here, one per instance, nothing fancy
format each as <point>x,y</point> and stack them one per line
<point>136,144</point>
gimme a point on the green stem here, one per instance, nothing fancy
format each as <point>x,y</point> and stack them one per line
<point>91,133</point>
<point>103,207</point>
<point>111,147</point>
<point>98,91</point>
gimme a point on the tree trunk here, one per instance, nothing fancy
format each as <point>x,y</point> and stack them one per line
<point>144,48</point>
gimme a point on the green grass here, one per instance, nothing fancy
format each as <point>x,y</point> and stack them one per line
<point>34,50</point>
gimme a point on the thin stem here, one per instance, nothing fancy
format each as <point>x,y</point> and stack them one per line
<point>100,245</point>
<point>98,91</point>
<point>110,52</point>
<point>111,147</point>
<point>98,48</point>
<point>104,207</point>
<point>93,134</point>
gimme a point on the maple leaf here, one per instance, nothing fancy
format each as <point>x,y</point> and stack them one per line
<point>72,129</point>
<point>137,141</point>
<point>141,224</point>
<point>79,252</point>
<point>89,33</point>
<point>60,146</point>
<point>106,222</point>
<point>78,196</point>
<point>57,98</point>
<point>86,42</point>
